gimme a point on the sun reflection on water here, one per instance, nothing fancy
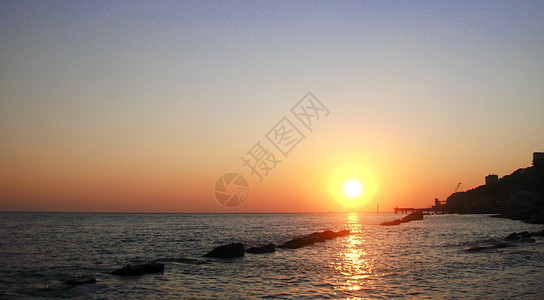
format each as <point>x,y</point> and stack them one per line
<point>354,264</point>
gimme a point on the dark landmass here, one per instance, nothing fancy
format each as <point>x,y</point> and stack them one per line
<point>518,196</point>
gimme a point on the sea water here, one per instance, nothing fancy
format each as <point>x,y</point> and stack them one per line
<point>420,259</point>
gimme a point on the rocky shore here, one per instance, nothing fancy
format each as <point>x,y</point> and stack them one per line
<point>510,240</point>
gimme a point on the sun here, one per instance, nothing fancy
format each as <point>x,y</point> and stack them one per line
<point>353,185</point>
<point>352,188</point>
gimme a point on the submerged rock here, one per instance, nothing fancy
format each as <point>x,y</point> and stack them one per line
<point>538,233</point>
<point>477,248</point>
<point>227,251</point>
<point>524,235</point>
<point>514,236</point>
<point>80,280</point>
<point>392,223</point>
<point>268,248</point>
<point>482,248</point>
<point>139,269</point>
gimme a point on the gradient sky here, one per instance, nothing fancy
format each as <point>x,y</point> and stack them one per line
<point>142,106</point>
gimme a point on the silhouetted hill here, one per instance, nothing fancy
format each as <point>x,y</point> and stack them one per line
<point>519,195</point>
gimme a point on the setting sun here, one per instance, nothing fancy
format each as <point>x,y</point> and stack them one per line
<point>352,188</point>
<point>353,185</point>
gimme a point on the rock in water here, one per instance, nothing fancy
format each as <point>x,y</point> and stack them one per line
<point>489,247</point>
<point>139,269</point>
<point>227,251</point>
<point>343,232</point>
<point>327,234</point>
<point>316,237</point>
<point>415,216</point>
<point>268,248</point>
<point>392,223</point>
<point>513,237</point>
<point>524,235</point>
<point>298,243</point>
<point>538,233</point>
<point>81,280</point>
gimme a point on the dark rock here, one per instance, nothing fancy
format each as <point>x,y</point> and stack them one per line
<point>80,280</point>
<point>477,249</point>
<point>524,235</point>
<point>227,251</point>
<point>139,269</point>
<point>268,248</point>
<point>527,240</point>
<point>323,236</point>
<point>328,235</point>
<point>415,216</point>
<point>343,232</point>
<point>482,248</point>
<point>538,233</point>
<point>502,245</point>
<point>316,237</point>
<point>297,243</point>
<point>396,222</point>
<point>512,237</point>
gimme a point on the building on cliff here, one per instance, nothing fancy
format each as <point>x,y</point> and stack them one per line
<point>538,158</point>
<point>491,178</point>
<point>519,195</point>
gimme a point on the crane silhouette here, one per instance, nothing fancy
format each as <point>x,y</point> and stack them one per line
<point>457,187</point>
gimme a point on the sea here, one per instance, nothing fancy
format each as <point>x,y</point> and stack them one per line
<point>425,259</point>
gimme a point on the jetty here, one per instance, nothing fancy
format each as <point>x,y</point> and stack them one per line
<point>439,208</point>
<point>427,211</point>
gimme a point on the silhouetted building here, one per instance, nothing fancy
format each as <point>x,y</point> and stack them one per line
<point>491,178</point>
<point>519,196</point>
<point>538,158</point>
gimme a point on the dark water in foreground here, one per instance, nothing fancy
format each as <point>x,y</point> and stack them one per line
<point>421,259</point>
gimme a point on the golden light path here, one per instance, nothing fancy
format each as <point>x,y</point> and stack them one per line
<point>354,265</point>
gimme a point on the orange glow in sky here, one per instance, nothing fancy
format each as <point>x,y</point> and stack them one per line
<point>105,107</point>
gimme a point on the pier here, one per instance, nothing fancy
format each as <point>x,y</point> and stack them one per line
<point>407,210</point>
<point>439,208</point>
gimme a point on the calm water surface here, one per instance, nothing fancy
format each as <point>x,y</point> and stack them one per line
<point>422,259</point>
